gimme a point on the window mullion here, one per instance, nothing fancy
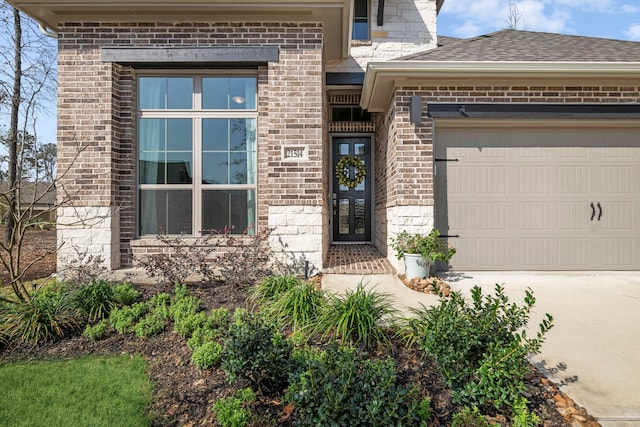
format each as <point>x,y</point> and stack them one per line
<point>197,174</point>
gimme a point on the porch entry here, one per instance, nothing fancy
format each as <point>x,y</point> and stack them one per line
<point>351,199</point>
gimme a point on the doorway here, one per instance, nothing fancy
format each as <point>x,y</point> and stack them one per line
<point>351,198</point>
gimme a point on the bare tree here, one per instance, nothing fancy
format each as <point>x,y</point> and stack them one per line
<point>515,20</point>
<point>27,80</point>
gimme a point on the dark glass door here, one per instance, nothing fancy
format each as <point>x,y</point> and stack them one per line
<point>351,198</point>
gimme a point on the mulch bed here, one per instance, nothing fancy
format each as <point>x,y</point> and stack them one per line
<point>184,395</point>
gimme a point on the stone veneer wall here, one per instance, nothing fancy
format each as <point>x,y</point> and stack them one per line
<point>409,27</point>
<point>96,111</point>
<point>404,152</point>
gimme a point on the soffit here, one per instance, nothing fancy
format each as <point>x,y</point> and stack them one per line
<point>333,14</point>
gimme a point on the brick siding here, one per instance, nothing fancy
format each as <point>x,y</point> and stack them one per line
<point>96,109</point>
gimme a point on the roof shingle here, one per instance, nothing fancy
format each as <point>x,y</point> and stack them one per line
<point>516,45</point>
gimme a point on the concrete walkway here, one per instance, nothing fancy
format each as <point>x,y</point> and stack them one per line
<point>593,351</point>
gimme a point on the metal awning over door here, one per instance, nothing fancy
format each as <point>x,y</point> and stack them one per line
<point>539,197</point>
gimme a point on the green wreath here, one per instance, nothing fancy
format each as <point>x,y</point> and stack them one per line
<point>343,171</point>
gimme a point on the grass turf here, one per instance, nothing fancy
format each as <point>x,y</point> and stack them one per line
<point>91,391</point>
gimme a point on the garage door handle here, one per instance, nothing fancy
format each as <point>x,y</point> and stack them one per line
<point>593,211</point>
<point>599,211</point>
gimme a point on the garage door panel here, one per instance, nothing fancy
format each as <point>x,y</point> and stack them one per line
<point>573,217</point>
<point>617,216</point>
<point>520,198</point>
<point>574,254</point>
<point>490,217</point>
<point>617,179</point>
<point>620,153</point>
<point>535,180</point>
<point>459,182</point>
<point>537,253</point>
<point>571,153</point>
<point>490,180</point>
<point>573,180</point>
<point>458,215</point>
<point>617,252</point>
<point>492,252</point>
<point>535,216</point>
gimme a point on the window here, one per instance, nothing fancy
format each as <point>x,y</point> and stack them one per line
<point>349,113</point>
<point>360,20</point>
<point>196,154</point>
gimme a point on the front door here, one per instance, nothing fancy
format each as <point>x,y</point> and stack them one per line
<point>351,198</point>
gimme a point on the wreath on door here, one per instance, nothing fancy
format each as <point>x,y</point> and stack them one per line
<point>343,171</point>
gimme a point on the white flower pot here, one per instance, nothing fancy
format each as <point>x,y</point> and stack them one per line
<point>416,266</point>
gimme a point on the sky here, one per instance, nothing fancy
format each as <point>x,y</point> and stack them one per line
<point>615,19</point>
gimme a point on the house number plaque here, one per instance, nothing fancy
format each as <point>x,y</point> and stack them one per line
<point>296,153</point>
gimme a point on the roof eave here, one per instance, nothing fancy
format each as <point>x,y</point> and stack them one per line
<point>334,14</point>
<point>381,78</point>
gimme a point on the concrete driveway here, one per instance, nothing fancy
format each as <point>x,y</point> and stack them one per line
<point>593,351</point>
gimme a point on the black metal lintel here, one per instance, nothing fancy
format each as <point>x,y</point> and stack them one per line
<point>534,111</point>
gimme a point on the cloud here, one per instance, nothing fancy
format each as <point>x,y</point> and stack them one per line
<point>634,32</point>
<point>627,8</point>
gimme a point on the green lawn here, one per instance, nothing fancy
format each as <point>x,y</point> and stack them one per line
<point>91,391</point>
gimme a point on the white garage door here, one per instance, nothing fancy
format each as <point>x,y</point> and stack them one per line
<point>539,198</point>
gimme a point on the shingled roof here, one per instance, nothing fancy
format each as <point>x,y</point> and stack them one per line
<point>516,45</point>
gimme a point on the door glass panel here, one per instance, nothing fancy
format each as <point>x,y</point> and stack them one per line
<point>359,149</point>
<point>343,216</point>
<point>360,187</point>
<point>344,149</point>
<point>359,216</point>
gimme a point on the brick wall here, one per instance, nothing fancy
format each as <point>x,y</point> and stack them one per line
<point>97,110</point>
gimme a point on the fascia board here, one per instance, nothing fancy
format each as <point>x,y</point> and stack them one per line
<point>382,77</point>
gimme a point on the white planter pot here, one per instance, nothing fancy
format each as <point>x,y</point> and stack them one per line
<point>416,266</point>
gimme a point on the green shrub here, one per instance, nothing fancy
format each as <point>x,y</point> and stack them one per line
<point>218,319</point>
<point>149,325</point>
<point>469,418</point>
<point>357,317</point>
<point>181,291</point>
<point>234,411</point>
<point>207,355</point>
<point>300,305</point>
<point>95,300</point>
<point>339,386</point>
<point>46,316</point>
<point>256,351</point>
<point>123,319</point>
<point>185,324</point>
<point>160,304</point>
<point>201,336</point>
<point>270,288</point>
<point>183,305</point>
<point>480,348</point>
<point>125,294</point>
<point>97,331</point>
<point>521,415</point>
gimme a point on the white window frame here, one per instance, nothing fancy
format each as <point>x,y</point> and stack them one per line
<point>196,114</point>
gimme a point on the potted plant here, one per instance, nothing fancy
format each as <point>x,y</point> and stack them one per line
<point>420,251</point>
